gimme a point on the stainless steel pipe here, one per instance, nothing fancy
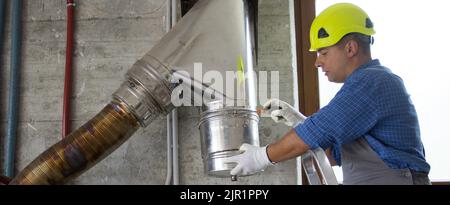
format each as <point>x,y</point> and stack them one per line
<point>219,35</point>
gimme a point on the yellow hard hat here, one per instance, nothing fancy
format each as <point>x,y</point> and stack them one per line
<point>337,21</point>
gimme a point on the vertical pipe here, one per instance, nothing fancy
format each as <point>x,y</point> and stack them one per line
<point>68,69</point>
<point>168,22</point>
<point>2,24</point>
<point>13,100</point>
<point>174,13</point>
<point>298,163</point>
<point>176,176</point>
<point>175,167</point>
<point>169,150</point>
<point>169,116</point>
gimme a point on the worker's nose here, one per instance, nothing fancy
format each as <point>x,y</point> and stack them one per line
<point>317,63</point>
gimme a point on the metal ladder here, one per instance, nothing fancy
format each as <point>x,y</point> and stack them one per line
<point>317,168</point>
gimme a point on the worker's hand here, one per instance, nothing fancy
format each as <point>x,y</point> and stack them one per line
<point>254,159</point>
<point>281,111</point>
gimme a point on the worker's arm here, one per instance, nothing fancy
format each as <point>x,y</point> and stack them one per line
<point>255,158</point>
<point>288,147</point>
<point>291,146</point>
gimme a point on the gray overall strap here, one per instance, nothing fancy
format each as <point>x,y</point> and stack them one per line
<point>361,165</point>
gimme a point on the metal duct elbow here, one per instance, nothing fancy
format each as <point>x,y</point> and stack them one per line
<point>211,51</point>
<point>216,33</point>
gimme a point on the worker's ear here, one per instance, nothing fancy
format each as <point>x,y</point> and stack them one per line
<point>352,48</point>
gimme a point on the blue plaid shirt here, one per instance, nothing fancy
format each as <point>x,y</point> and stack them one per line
<point>373,103</point>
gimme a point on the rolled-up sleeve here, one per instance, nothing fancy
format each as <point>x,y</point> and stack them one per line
<point>350,114</point>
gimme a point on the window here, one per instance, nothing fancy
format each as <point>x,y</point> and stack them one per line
<point>412,40</point>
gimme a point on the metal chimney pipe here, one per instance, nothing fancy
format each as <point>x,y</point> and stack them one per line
<point>217,33</point>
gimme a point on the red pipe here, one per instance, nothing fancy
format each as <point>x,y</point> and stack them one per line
<point>68,70</point>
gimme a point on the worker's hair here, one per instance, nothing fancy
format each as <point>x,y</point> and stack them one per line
<point>364,41</point>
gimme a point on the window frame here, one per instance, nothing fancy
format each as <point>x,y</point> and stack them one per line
<point>307,74</point>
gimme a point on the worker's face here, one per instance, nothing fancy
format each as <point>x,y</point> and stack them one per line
<point>333,61</point>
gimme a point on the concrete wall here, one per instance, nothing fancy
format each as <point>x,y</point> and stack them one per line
<point>110,36</point>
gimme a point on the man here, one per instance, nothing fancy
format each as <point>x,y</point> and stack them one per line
<point>370,127</point>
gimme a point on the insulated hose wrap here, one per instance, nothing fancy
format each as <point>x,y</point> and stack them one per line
<point>82,149</point>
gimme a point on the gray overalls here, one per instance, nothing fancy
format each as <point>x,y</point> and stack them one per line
<point>362,165</point>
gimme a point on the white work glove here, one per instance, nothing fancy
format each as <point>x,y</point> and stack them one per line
<point>254,159</point>
<point>281,111</point>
